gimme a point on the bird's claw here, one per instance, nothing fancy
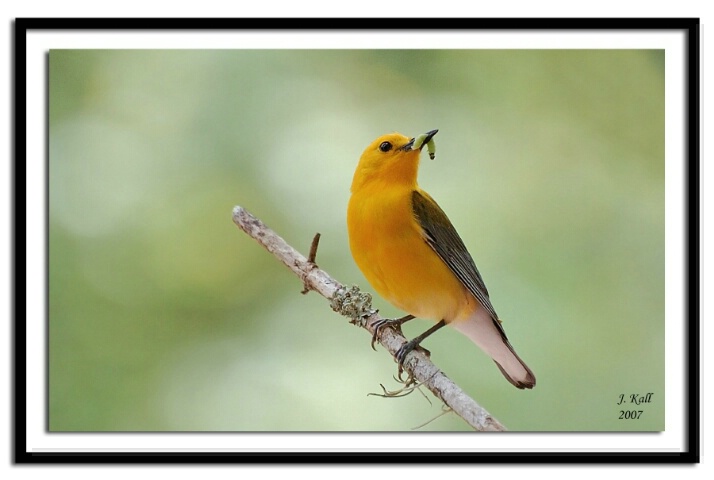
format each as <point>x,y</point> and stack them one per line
<point>404,350</point>
<point>395,323</point>
<point>382,323</point>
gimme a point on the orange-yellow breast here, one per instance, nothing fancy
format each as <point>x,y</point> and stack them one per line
<point>389,248</point>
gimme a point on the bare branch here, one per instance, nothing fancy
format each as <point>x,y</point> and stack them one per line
<point>357,306</point>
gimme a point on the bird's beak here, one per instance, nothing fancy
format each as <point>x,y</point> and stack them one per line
<point>421,140</point>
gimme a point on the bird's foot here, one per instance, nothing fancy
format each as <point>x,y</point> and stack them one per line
<point>404,350</point>
<point>412,344</point>
<point>395,323</point>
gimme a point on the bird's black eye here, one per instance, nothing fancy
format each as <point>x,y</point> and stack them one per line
<point>385,146</point>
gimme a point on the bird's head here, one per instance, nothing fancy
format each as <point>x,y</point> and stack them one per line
<point>393,159</point>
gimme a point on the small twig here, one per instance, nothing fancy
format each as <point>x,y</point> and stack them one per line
<point>311,260</point>
<point>313,249</point>
<point>358,307</point>
<point>444,409</point>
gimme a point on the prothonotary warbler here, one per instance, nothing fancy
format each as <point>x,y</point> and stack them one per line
<point>412,256</point>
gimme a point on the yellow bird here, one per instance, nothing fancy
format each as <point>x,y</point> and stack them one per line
<point>412,255</point>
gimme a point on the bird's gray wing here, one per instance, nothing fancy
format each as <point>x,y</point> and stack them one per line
<point>442,237</point>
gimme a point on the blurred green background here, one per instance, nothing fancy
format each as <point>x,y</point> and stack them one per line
<point>164,316</point>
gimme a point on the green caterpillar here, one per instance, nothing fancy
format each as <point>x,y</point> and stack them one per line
<point>430,145</point>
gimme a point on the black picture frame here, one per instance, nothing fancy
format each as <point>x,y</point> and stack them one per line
<point>689,26</point>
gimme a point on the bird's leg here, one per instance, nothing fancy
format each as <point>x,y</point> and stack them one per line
<point>413,343</point>
<point>395,323</point>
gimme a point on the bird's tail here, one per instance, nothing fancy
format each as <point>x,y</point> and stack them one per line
<point>487,333</point>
